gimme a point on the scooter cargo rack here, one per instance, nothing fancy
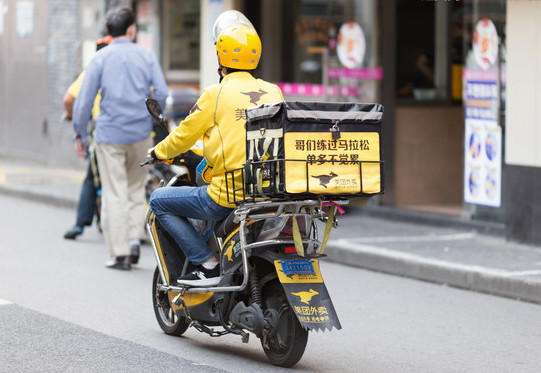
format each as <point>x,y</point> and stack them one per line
<point>268,180</point>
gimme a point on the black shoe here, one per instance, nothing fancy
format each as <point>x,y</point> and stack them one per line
<point>73,233</point>
<point>120,262</point>
<point>201,277</point>
<point>135,253</point>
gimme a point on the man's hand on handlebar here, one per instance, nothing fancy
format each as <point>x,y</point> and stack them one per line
<point>151,159</point>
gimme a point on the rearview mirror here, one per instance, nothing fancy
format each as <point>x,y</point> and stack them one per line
<point>155,110</point>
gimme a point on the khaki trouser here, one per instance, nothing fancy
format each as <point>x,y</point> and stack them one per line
<point>123,193</point>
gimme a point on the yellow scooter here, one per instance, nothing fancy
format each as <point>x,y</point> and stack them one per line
<point>271,283</point>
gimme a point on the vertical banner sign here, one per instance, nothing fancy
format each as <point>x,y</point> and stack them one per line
<point>483,135</point>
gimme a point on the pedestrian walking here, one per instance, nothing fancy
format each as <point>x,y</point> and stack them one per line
<point>88,204</point>
<point>127,74</point>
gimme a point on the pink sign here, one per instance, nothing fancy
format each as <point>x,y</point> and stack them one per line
<point>374,73</point>
<point>300,89</point>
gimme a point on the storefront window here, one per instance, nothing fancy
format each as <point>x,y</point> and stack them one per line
<point>181,40</point>
<point>333,50</point>
<point>429,50</point>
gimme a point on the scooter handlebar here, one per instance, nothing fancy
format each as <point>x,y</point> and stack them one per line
<point>149,160</point>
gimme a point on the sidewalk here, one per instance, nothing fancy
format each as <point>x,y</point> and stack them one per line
<point>431,247</point>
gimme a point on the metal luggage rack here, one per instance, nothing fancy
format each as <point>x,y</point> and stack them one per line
<point>275,191</point>
<point>265,209</point>
<point>261,210</point>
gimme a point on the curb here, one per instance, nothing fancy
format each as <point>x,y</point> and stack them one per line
<point>469,277</point>
<point>430,218</point>
<point>39,197</point>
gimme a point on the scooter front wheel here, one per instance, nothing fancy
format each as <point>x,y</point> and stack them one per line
<point>287,340</point>
<point>169,321</point>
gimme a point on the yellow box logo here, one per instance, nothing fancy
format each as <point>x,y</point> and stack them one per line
<point>331,166</point>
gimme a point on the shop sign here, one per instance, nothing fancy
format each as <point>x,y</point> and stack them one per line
<point>351,45</point>
<point>312,31</point>
<point>481,94</point>
<point>483,139</point>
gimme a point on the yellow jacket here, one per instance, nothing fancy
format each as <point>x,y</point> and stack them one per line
<point>219,116</point>
<point>74,89</point>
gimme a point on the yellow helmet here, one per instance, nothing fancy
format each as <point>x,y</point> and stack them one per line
<point>239,47</point>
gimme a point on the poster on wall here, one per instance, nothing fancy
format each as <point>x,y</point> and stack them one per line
<point>485,43</point>
<point>351,45</point>
<point>482,171</point>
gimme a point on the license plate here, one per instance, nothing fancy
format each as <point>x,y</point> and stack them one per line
<point>297,267</point>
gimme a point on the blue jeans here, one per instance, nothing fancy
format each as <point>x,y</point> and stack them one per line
<point>173,205</point>
<point>87,200</point>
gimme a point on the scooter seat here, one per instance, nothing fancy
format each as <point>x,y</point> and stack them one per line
<point>223,227</point>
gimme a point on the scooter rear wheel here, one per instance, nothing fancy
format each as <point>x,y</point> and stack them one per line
<point>169,321</point>
<point>287,342</point>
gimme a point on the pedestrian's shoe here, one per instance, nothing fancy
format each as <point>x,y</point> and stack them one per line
<point>120,262</point>
<point>73,233</point>
<point>135,253</point>
<point>201,277</point>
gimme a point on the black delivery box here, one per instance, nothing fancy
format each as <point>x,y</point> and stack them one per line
<point>313,148</point>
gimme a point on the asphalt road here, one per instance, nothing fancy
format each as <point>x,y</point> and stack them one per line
<point>61,310</point>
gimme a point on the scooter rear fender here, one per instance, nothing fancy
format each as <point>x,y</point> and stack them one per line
<point>304,288</point>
